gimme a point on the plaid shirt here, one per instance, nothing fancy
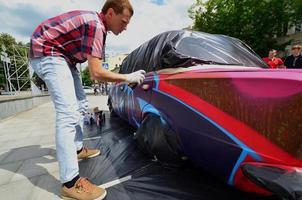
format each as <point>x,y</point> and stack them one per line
<point>72,35</point>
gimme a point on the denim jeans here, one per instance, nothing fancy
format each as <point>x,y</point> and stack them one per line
<point>65,88</point>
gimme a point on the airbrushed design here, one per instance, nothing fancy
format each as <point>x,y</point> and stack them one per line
<point>225,119</point>
<point>210,99</point>
<point>275,115</point>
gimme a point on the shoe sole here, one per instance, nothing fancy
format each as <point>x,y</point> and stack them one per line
<point>99,198</point>
<point>67,198</point>
<point>92,156</point>
<point>102,196</point>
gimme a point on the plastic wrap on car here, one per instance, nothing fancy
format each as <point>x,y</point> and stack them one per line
<point>156,138</point>
<point>184,48</point>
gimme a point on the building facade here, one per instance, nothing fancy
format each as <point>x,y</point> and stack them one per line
<point>293,36</point>
<point>113,63</point>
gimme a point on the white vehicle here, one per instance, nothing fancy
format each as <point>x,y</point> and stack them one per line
<point>88,90</point>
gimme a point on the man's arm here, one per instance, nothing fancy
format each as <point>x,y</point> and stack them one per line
<point>98,73</point>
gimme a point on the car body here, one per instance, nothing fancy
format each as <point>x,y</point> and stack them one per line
<point>240,122</point>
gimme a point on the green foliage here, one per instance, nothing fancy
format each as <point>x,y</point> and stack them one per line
<point>8,41</point>
<point>256,22</point>
<point>86,80</point>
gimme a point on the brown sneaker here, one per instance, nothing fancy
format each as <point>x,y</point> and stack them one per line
<point>88,153</point>
<point>83,190</point>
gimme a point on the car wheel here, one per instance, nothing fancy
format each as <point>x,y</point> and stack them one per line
<point>157,139</point>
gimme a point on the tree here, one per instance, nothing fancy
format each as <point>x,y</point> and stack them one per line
<point>86,80</point>
<point>256,22</point>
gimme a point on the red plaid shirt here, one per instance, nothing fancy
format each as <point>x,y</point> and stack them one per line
<point>72,35</point>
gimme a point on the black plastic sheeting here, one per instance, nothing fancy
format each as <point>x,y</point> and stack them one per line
<point>150,180</point>
<point>281,182</point>
<point>156,139</point>
<point>184,48</point>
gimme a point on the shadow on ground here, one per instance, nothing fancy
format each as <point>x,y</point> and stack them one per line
<point>27,161</point>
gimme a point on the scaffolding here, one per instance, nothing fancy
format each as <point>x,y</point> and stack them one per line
<point>17,72</point>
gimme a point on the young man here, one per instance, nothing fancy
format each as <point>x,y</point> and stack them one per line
<point>295,60</point>
<point>56,46</point>
<point>272,61</point>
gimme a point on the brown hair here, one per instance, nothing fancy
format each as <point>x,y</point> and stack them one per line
<point>118,6</point>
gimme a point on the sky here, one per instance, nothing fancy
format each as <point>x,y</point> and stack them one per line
<point>151,17</point>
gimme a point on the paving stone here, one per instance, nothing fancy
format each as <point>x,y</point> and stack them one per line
<point>21,190</point>
<point>28,166</point>
<point>7,171</point>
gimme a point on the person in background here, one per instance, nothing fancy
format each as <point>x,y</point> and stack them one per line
<point>272,61</point>
<point>1,90</point>
<point>294,61</point>
<point>56,46</point>
<point>95,90</point>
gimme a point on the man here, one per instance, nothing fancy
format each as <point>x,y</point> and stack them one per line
<point>295,60</point>
<point>272,61</point>
<point>57,45</point>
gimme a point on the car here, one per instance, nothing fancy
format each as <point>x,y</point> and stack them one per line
<point>210,99</point>
<point>88,90</point>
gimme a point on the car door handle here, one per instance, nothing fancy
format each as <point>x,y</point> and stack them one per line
<point>146,87</point>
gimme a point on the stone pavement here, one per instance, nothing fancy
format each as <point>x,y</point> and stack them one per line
<point>28,166</point>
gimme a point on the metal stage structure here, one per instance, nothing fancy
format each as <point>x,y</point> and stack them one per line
<point>17,72</point>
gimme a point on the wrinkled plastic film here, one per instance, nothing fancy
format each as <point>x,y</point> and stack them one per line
<point>186,48</point>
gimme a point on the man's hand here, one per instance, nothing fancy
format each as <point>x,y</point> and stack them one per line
<point>136,77</point>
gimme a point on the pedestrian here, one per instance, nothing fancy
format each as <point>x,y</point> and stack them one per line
<point>56,46</point>
<point>1,90</point>
<point>95,90</point>
<point>86,119</point>
<point>272,60</point>
<point>91,119</point>
<point>295,60</point>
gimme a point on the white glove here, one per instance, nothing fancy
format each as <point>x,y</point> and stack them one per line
<point>136,77</point>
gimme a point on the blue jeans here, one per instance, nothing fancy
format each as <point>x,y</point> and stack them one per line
<point>66,91</point>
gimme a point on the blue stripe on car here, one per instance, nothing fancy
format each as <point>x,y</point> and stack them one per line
<point>247,150</point>
<point>146,107</point>
<point>237,165</point>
